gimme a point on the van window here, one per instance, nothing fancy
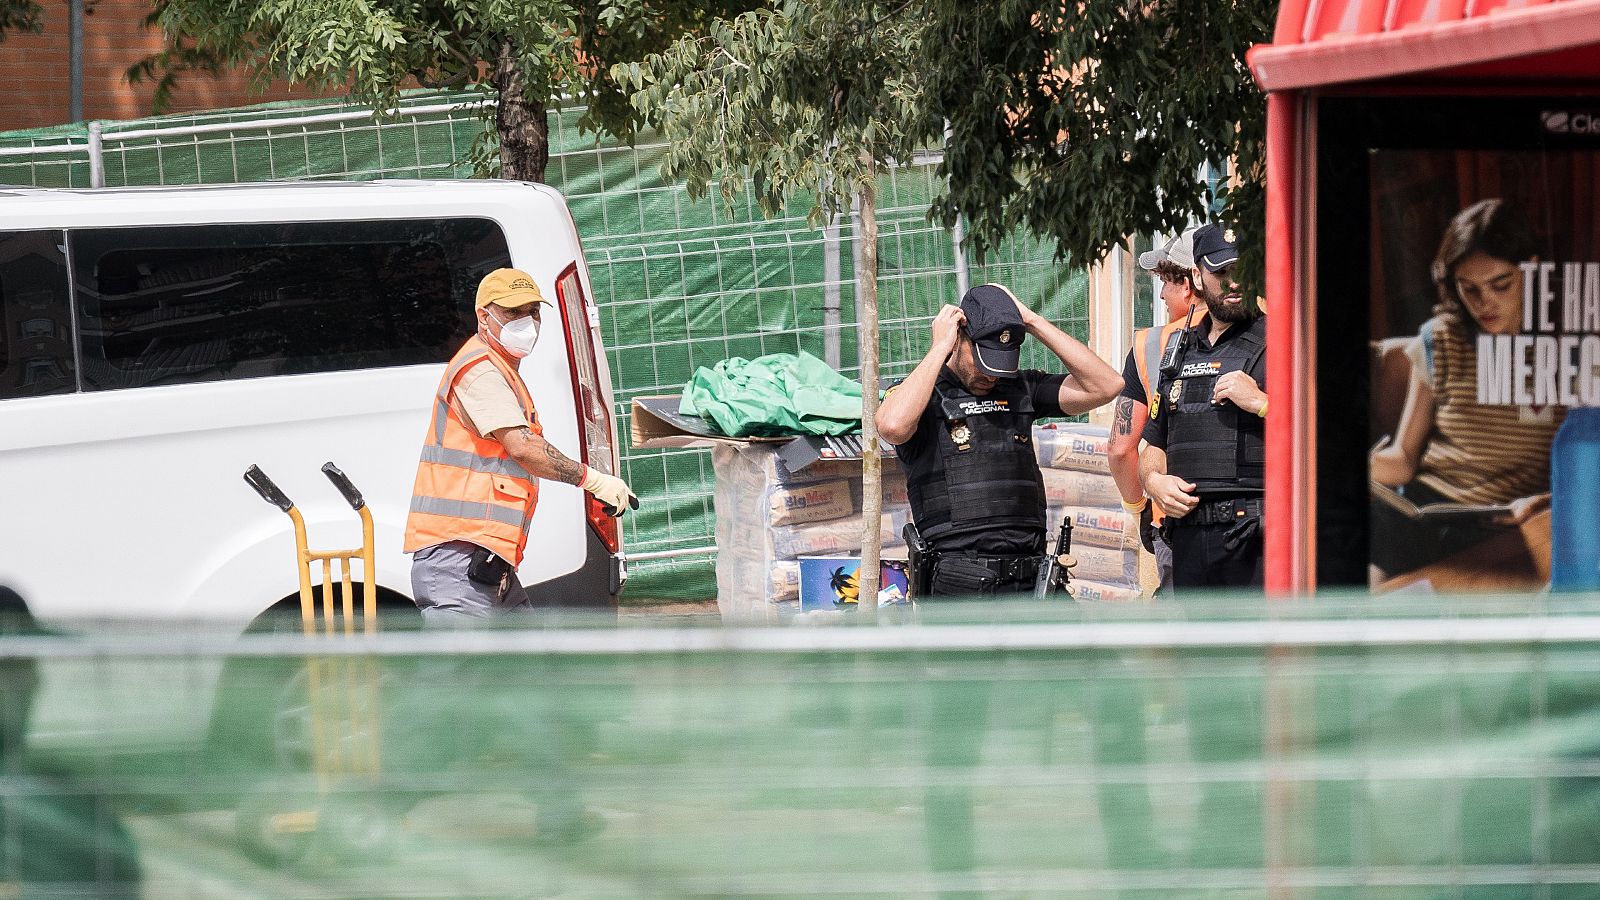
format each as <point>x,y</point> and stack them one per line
<point>36,345</point>
<point>174,305</point>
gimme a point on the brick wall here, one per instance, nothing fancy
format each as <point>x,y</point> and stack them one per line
<point>35,70</point>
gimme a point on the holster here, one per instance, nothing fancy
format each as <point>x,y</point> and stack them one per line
<point>919,568</point>
<point>487,569</point>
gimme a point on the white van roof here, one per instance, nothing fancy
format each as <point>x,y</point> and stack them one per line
<point>269,201</point>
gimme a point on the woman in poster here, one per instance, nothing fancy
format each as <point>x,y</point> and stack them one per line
<point>1449,448</point>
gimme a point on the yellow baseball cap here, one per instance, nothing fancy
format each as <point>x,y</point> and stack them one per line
<point>510,288</point>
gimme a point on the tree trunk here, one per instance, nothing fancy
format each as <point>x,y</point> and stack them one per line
<point>524,124</point>
<point>867,343</point>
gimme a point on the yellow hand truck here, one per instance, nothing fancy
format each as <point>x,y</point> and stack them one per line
<point>271,493</point>
<point>343,689</point>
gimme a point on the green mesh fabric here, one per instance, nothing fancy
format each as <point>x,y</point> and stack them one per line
<point>1157,752</point>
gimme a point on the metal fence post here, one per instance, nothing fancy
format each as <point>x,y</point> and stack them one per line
<point>831,291</point>
<point>958,237</point>
<point>97,159</point>
<point>958,234</point>
<point>75,60</point>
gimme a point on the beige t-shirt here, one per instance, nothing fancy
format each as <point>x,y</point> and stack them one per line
<point>486,401</point>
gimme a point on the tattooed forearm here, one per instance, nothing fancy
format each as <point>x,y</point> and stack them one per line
<point>565,469</point>
<point>538,456</point>
<point>1122,416</point>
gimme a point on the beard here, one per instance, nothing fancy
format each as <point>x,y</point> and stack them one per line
<point>1222,311</point>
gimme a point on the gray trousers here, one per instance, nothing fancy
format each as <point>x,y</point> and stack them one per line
<point>448,598</point>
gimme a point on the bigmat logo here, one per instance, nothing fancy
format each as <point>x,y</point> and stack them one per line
<point>1566,121</point>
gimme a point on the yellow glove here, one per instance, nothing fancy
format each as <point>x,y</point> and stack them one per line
<point>610,490</point>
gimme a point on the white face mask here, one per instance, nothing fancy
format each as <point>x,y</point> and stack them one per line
<point>517,336</point>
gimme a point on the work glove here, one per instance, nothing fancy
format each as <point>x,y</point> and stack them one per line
<point>1147,528</point>
<point>609,490</point>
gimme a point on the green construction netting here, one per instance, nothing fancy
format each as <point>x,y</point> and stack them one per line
<point>1436,752</point>
<point>680,283</point>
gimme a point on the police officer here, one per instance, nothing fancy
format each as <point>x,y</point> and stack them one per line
<point>1206,456</point>
<point>1171,264</point>
<point>962,426</point>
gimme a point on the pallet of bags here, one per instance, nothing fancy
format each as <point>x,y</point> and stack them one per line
<point>769,514</point>
<point>1073,459</point>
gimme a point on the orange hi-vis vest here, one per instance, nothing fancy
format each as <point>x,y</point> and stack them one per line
<point>468,488</point>
<point>1148,345</point>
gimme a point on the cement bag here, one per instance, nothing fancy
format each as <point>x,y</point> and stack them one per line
<point>894,487</point>
<point>810,502</point>
<point>1063,487</point>
<point>1081,448</point>
<point>1099,564</point>
<point>834,536</point>
<point>1113,529</point>
<point>1091,592</point>
<point>819,470</point>
<point>785,581</point>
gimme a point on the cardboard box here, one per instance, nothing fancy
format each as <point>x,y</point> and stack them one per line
<point>657,423</point>
<point>829,582</point>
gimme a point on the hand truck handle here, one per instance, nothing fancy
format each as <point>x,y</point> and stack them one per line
<point>269,492</point>
<point>342,482</point>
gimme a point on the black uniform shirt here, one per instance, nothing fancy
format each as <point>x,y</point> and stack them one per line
<point>1132,384</point>
<point>1155,428</point>
<point>1045,389</point>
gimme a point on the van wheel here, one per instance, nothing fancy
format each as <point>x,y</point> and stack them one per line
<point>260,718</point>
<point>283,617</point>
<point>277,829</point>
<point>289,830</point>
<point>343,711</point>
<point>361,827</point>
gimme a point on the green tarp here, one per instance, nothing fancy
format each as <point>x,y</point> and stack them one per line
<point>776,394</point>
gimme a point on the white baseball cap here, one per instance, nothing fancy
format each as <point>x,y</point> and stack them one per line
<point>1179,249</point>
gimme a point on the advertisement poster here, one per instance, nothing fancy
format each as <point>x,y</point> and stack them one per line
<point>1485,311</point>
<point>833,582</point>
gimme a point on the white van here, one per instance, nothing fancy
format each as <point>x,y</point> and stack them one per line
<point>158,341</point>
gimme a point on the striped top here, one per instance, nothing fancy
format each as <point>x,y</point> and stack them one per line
<point>1479,454</point>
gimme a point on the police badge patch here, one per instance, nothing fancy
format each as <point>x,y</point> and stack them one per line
<point>1155,405</point>
<point>961,435</point>
<point>1175,391</point>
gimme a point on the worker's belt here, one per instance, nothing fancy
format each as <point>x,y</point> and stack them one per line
<point>1006,568</point>
<point>1215,512</point>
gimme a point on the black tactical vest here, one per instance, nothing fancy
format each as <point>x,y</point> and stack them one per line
<point>983,473</point>
<point>1219,448</point>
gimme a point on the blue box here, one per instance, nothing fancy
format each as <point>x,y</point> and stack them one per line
<point>829,582</point>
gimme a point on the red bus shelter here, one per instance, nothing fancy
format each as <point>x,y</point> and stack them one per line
<point>1441,57</point>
